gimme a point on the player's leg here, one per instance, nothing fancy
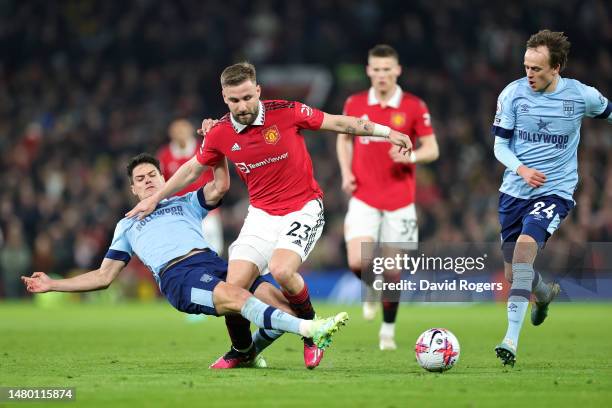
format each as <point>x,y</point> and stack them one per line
<point>362,225</point>
<point>261,338</point>
<point>355,263</point>
<point>525,253</point>
<point>188,287</point>
<point>249,355</point>
<point>296,237</point>
<point>511,212</point>
<point>390,305</point>
<point>284,267</point>
<point>544,294</point>
<point>242,352</point>
<point>227,298</point>
<point>196,286</point>
<point>541,217</point>
<point>399,233</point>
<point>247,257</point>
<point>545,218</point>
<point>269,294</point>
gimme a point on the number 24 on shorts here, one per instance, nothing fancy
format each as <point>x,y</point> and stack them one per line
<point>539,206</point>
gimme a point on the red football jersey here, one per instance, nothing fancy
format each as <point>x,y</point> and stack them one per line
<point>171,158</point>
<point>270,155</point>
<point>381,183</point>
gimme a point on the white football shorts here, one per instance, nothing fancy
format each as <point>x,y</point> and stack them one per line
<point>262,233</point>
<point>363,220</point>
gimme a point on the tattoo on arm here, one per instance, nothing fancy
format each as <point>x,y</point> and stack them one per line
<point>350,130</point>
<point>366,125</point>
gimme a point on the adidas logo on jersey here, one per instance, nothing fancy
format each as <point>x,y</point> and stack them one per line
<point>235,147</point>
<point>298,243</point>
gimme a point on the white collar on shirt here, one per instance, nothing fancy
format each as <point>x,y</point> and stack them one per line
<point>187,151</point>
<point>394,102</point>
<point>259,120</point>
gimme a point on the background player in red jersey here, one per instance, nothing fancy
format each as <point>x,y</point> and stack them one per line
<point>182,147</point>
<point>381,182</point>
<point>285,219</point>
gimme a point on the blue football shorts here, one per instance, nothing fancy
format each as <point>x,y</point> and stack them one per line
<point>537,217</point>
<point>189,284</point>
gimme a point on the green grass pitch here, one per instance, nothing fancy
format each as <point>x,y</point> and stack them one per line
<point>149,355</point>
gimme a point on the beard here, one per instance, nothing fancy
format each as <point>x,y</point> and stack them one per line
<point>247,118</point>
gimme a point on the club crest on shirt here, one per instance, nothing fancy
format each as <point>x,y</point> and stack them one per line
<point>568,108</point>
<point>398,119</point>
<point>271,135</point>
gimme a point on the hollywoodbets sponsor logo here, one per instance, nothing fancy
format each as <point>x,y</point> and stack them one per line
<point>176,210</point>
<point>560,141</point>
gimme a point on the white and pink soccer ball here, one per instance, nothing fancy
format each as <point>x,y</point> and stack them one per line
<point>437,350</point>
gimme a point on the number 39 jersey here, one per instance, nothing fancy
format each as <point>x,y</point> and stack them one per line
<point>382,183</point>
<point>270,154</point>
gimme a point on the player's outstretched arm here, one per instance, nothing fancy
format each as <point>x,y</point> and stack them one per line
<point>184,176</point>
<point>101,278</point>
<point>362,127</point>
<point>216,189</point>
<point>344,150</point>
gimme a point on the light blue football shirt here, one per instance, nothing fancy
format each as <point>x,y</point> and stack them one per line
<point>544,132</point>
<point>171,231</point>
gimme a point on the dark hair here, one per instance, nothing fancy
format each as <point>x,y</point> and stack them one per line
<point>383,51</point>
<point>557,44</point>
<point>238,73</point>
<point>140,159</point>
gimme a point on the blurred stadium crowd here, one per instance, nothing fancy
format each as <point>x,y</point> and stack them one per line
<point>86,84</point>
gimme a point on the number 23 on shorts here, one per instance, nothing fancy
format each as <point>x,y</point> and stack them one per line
<point>299,230</point>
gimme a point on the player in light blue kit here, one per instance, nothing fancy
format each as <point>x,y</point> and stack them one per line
<point>537,131</point>
<point>190,275</point>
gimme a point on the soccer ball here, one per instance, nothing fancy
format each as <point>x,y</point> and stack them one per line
<point>437,350</point>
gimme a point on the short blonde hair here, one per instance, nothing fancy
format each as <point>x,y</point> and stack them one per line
<point>238,73</point>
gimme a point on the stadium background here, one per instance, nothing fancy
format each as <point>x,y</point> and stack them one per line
<point>84,85</point>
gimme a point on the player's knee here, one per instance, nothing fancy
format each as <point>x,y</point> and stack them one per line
<point>229,298</point>
<point>281,272</point>
<point>525,250</point>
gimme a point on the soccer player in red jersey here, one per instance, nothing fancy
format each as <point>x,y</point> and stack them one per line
<point>263,139</point>
<point>182,147</point>
<point>381,182</point>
